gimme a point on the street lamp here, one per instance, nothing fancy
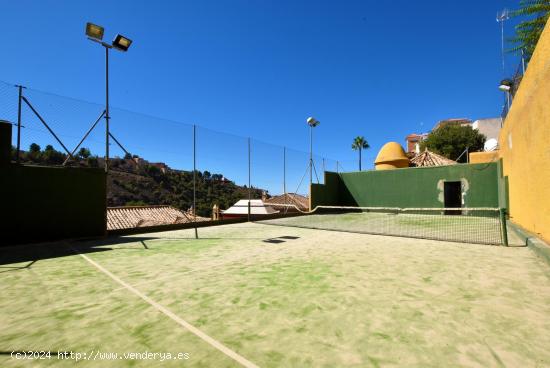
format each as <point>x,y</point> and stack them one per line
<point>312,122</point>
<point>121,43</point>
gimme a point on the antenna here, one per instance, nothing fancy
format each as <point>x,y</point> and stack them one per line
<point>502,17</point>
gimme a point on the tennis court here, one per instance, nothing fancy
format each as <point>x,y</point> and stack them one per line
<point>253,294</point>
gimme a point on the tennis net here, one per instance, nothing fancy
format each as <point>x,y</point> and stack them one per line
<point>465,225</point>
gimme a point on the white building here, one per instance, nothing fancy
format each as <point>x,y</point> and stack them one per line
<point>257,207</point>
<point>490,128</point>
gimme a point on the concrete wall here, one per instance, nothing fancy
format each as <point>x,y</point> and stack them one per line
<point>481,157</point>
<point>412,187</point>
<point>525,145</point>
<point>47,203</point>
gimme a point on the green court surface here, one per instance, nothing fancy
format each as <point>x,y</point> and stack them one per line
<point>273,296</point>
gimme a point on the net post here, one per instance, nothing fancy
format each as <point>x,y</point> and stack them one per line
<point>503,227</point>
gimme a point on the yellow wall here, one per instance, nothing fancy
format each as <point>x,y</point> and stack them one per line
<point>525,145</point>
<point>483,157</point>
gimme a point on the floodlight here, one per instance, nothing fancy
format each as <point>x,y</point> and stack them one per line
<point>312,122</point>
<point>94,31</point>
<point>506,85</point>
<point>121,43</point>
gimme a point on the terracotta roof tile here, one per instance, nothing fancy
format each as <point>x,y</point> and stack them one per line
<point>142,216</point>
<point>429,158</point>
<point>289,198</point>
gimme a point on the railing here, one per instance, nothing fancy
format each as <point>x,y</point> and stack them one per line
<point>516,81</point>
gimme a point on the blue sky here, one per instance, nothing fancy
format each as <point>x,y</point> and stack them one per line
<point>381,69</point>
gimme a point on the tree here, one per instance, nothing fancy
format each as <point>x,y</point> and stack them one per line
<point>34,152</point>
<point>34,148</point>
<point>528,32</point>
<point>52,156</point>
<point>359,144</point>
<point>452,140</point>
<point>84,153</point>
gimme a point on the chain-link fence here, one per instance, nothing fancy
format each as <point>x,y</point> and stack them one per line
<point>513,83</point>
<point>155,161</point>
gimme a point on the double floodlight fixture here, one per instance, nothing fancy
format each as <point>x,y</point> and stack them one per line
<point>95,33</point>
<point>312,122</point>
<point>506,85</point>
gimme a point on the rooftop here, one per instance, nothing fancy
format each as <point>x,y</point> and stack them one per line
<point>429,158</point>
<point>143,216</point>
<point>289,198</point>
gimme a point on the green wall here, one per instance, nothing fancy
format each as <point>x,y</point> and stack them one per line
<point>48,203</point>
<point>327,194</point>
<point>411,187</point>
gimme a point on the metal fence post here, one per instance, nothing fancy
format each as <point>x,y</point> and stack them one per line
<point>107,114</point>
<point>195,179</point>
<point>284,171</point>
<point>503,226</point>
<point>249,181</point>
<point>19,123</point>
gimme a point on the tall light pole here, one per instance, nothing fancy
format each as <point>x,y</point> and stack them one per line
<point>120,43</point>
<point>312,122</point>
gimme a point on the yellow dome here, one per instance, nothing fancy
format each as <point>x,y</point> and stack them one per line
<point>391,156</point>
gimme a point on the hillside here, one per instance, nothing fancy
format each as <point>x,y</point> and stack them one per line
<point>134,181</point>
<point>136,184</point>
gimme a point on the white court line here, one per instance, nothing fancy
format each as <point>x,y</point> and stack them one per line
<point>216,344</point>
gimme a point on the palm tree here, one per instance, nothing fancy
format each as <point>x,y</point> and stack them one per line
<point>359,144</point>
<point>528,32</point>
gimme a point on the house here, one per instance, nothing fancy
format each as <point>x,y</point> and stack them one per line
<point>490,128</point>
<point>288,202</point>
<point>240,209</point>
<point>161,166</point>
<point>413,142</point>
<point>461,122</point>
